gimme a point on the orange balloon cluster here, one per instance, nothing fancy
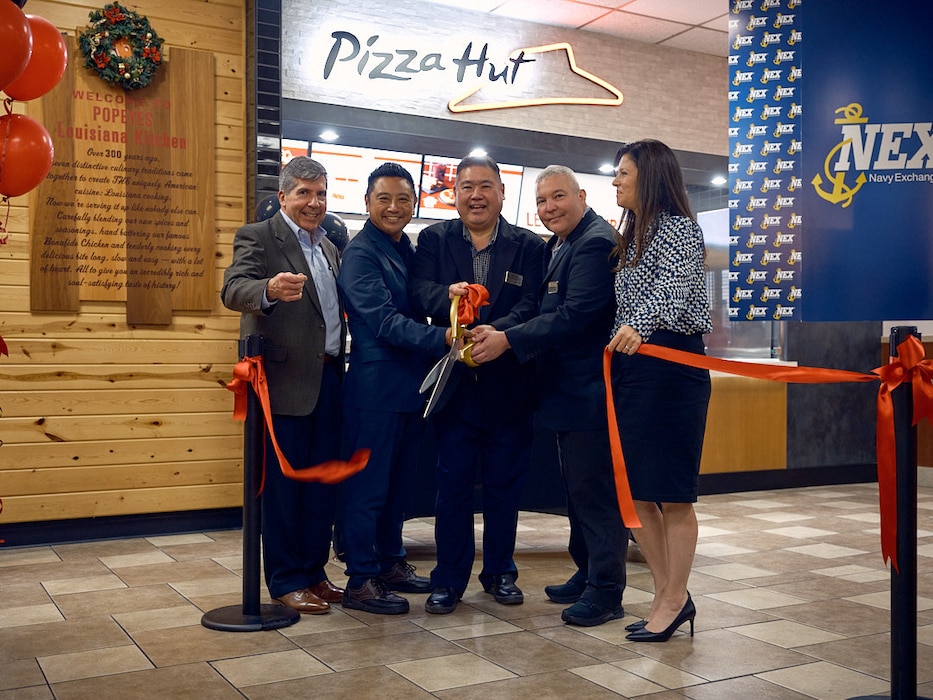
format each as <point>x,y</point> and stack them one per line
<point>32,62</point>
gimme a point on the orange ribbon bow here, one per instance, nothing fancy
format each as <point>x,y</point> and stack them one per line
<point>250,371</point>
<point>468,306</point>
<point>908,366</point>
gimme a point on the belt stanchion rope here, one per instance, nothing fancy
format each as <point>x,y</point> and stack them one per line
<point>908,367</point>
<point>250,372</point>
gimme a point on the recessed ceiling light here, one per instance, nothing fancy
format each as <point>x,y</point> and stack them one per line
<point>606,168</point>
<point>719,180</point>
<point>478,152</point>
<point>329,135</point>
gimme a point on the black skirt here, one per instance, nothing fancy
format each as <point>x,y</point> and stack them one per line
<point>661,412</point>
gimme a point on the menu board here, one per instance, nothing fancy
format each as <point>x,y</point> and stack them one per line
<point>438,174</point>
<point>348,169</point>
<point>292,148</point>
<point>436,200</point>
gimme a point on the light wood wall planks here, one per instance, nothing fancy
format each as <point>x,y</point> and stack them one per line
<point>101,418</point>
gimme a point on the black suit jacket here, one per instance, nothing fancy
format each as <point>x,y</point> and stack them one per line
<point>391,346</point>
<point>442,258</point>
<point>567,338</point>
<point>293,332</point>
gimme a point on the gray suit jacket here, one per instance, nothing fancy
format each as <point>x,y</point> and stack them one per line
<point>293,332</point>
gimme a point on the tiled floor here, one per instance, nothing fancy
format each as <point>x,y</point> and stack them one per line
<point>790,589</point>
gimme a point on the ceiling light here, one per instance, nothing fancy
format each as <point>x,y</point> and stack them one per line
<point>478,152</point>
<point>719,180</point>
<point>329,135</point>
<point>606,168</point>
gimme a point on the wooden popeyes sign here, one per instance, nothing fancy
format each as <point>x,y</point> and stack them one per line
<point>127,211</point>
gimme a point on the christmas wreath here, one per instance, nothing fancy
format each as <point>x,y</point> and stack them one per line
<point>121,47</point>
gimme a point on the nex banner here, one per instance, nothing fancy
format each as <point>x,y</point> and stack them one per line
<point>867,165</point>
<point>831,160</point>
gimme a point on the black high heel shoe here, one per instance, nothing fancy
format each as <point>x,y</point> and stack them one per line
<point>687,613</point>
<point>640,624</point>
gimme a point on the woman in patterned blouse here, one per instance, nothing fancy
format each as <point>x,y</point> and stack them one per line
<point>660,406</point>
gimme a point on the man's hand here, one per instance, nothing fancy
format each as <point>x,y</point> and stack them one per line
<point>285,286</point>
<point>457,289</point>
<point>488,344</point>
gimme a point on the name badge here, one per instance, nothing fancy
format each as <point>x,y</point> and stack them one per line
<point>552,287</point>
<point>514,278</point>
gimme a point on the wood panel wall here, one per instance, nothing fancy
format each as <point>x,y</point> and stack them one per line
<point>101,418</point>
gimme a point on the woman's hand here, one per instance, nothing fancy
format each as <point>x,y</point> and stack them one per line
<point>626,340</point>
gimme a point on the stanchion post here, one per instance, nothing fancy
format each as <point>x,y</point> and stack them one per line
<point>253,436</point>
<point>904,580</point>
<point>251,616</point>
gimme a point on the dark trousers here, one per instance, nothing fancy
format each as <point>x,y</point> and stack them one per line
<point>598,539</point>
<point>297,517</point>
<point>499,450</point>
<point>373,501</point>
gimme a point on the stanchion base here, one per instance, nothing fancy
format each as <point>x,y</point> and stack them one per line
<point>232,618</point>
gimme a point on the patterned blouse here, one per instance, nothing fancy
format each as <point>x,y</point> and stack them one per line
<point>667,288</point>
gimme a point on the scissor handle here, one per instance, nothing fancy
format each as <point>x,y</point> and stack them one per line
<point>455,330</point>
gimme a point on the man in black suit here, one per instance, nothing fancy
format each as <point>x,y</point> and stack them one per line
<point>566,340</point>
<point>392,346</point>
<point>283,282</point>
<point>484,421</point>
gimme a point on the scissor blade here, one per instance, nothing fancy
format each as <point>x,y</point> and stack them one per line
<point>431,378</point>
<point>446,371</point>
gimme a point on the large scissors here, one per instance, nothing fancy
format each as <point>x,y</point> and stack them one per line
<point>441,371</point>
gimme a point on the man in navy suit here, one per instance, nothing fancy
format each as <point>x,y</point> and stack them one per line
<point>484,419</point>
<point>282,281</point>
<point>566,340</point>
<point>391,351</point>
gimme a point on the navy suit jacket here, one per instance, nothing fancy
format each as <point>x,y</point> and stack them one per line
<point>442,258</point>
<point>567,338</point>
<point>391,345</point>
<point>293,332</point>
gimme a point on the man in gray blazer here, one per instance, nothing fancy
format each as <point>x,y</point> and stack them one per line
<point>283,282</point>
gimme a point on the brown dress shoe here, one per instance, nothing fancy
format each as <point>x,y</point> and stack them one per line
<point>325,590</point>
<point>304,601</point>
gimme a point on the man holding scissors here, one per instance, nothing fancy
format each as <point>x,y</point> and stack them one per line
<point>483,420</point>
<point>390,353</point>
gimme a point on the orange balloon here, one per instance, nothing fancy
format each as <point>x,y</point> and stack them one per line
<point>46,65</point>
<point>16,39</point>
<point>26,153</point>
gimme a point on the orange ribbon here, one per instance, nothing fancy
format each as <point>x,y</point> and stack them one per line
<point>250,371</point>
<point>909,365</point>
<point>468,306</point>
<point>623,492</point>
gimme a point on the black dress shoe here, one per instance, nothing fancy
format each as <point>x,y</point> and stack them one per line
<point>589,614</point>
<point>442,601</point>
<point>503,589</point>
<point>636,626</point>
<point>374,597</point>
<point>401,577</point>
<point>567,593</point>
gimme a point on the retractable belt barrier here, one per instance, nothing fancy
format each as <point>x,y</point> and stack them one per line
<point>908,367</point>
